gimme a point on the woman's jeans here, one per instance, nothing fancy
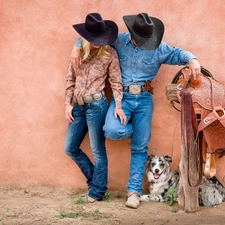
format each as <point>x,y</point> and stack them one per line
<point>138,110</point>
<point>89,117</point>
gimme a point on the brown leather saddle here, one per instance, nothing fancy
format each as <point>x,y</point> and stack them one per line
<point>208,102</point>
<point>208,95</point>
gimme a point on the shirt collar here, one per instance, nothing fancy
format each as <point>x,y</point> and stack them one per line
<point>128,39</point>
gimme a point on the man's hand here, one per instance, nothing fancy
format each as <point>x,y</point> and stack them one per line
<point>75,57</point>
<point>195,68</point>
<point>120,113</point>
<point>68,113</point>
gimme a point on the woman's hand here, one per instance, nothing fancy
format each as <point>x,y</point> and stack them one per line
<point>68,113</point>
<point>120,113</point>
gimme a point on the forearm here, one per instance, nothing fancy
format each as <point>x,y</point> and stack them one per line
<point>70,85</point>
<point>174,56</point>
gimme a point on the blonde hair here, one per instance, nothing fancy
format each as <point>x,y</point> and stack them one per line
<point>102,52</point>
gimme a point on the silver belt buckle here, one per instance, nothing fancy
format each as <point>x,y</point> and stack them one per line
<point>135,89</point>
<point>97,95</point>
<point>88,98</point>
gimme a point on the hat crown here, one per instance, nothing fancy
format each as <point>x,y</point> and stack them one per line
<point>143,25</point>
<point>94,24</point>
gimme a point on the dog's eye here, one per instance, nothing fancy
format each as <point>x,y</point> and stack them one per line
<point>152,164</point>
<point>162,165</point>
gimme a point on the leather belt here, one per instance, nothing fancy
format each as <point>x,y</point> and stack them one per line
<point>80,100</point>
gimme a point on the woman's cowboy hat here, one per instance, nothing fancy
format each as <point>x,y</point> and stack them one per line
<point>97,31</point>
<point>145,30</point>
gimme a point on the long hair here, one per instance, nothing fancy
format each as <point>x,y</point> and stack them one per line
<point>102,52</point>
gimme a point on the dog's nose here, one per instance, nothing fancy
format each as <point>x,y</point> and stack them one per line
<point>156,170</point>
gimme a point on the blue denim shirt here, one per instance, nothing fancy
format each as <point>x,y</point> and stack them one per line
<point>139,65</point>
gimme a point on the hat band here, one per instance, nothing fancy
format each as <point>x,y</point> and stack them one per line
<point>96,34</point>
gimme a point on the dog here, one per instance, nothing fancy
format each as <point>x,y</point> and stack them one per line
<point>161,178</point>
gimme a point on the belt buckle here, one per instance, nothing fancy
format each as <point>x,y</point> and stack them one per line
<point>88,98</point>
<point>97,95</point>
<point>135,89</point>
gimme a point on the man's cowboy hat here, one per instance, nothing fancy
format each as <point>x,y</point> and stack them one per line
<point>97,31</point>
<point>146,31</point>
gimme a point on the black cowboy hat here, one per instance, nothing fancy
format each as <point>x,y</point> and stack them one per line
<point>97,31</point>
<point>146,31</point>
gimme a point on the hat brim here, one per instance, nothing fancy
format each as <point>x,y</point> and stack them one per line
<point>149,43</point>
<point>107,38</point>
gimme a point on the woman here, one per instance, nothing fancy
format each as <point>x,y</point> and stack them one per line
<point>86,104</point>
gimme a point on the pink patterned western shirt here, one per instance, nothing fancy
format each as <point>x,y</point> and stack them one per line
<point>90,76</point>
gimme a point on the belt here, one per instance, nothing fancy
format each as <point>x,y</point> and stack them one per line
<point>136,89</point>
<point>80,100</point>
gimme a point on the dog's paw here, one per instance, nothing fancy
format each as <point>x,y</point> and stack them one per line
<point>144,198</point>
<point>152,198</point>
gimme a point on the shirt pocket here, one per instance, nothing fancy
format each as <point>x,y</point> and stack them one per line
<point>123,62</point>
<point>148,64</point>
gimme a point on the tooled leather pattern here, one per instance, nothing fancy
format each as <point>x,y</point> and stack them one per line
<point>208,94</point>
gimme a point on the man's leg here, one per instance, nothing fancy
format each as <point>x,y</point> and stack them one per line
<point>142,123</point>
<point>113,128</point>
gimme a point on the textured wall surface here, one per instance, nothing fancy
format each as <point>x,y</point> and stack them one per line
<point>36,38</point>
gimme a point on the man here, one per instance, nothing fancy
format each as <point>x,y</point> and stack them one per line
<point>141,53</point>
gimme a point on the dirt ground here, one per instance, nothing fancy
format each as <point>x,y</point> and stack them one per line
<point>57,206</point>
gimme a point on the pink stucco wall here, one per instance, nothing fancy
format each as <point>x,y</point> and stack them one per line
<point>36,38</point>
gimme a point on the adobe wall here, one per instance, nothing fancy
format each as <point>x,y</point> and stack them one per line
<point>36,38</point>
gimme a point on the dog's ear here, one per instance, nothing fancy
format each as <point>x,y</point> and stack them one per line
<point>168,158</point>
<point>150,157</point>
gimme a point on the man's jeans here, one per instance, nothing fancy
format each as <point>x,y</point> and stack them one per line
<point>90,117</point>
<point>138,110</point>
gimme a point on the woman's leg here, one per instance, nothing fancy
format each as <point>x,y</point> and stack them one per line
<point>96,113</point>
<point>75,135</point>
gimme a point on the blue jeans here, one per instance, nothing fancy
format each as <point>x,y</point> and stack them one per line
<point>89,118</point>
<point>138,110</point>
